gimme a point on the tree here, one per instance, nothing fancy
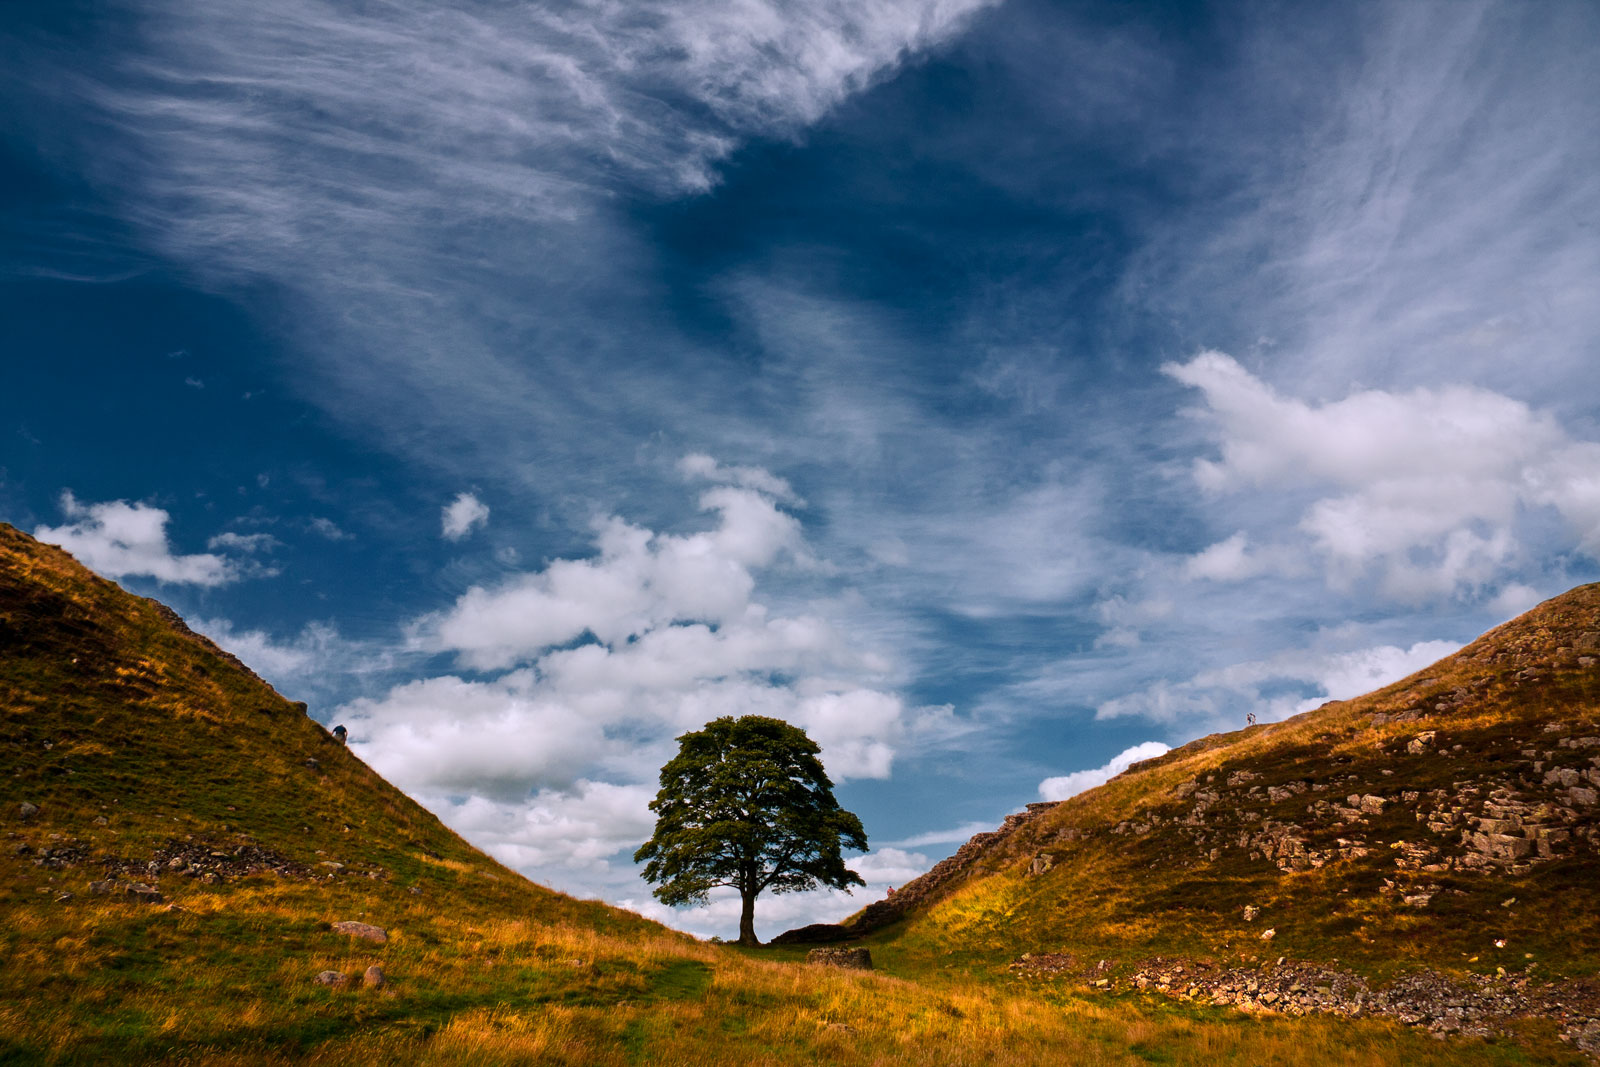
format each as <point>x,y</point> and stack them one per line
<point>746,803</point>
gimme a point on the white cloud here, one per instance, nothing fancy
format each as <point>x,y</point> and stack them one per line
<point>463,515</point>
<point>565,832</point>
<point>1070,785</point>
<point>1235,559</point>
<point>551,756</point>
<point>256,542</point>
<point>251,116</point>
<point>307,666</point>
<point>1275,688</point>
<point>325,527</point>
<point>639,580</point>
<point>1425,488</point>
<point>699,465</point>
<point>119,539</point>
<point>955,835</point>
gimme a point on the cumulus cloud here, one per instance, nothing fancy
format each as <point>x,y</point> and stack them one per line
<point>578,829</point>
<point>637,581</point>
<point>1070,785</point>
<point>1277,687</point>
<point>119,539</point>
<point>581,675</point>
<point>1424,488</point>
<point>463,515</point>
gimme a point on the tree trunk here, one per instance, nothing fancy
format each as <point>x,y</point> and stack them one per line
<point>747,918</point>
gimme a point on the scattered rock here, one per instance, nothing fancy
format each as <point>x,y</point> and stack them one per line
<point>1477,1005</point>
<point>101,820</point>
<point>29,809</point>
<point>1269,933</point>
<point>373,978</point>
<point>149,894</point>
<point>858,959</point>
<point>102,888</point>
<point>1250,913</point>
<point>330,978</point>
<point>365,931</point>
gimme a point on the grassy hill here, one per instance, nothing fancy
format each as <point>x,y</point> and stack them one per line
<point>1443,830</point>
<point>183,848</point>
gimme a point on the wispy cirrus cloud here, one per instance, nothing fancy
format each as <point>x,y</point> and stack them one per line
<point>438,198</point>
<point>1423,214</point>
<point>261,132</point>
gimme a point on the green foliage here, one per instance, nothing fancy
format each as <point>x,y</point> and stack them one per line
<point>746,803</point>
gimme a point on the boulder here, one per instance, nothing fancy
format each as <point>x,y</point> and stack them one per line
<point>858,959</point>
<point>333,978</point>
<point>365,931</point>
<point>1250,913</point>
<point>29,809</point>
<point>373,978</point>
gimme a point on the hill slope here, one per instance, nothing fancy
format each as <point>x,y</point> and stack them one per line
<point>184,849</point>
<point>1446,825</point>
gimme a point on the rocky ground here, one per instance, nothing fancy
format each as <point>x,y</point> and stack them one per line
<point>203,858</point>
<point>1479,1006</point>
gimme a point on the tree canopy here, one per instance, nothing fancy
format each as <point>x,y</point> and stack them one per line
<point>746,803</point>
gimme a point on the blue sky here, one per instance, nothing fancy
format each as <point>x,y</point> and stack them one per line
<point>995,389</point>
